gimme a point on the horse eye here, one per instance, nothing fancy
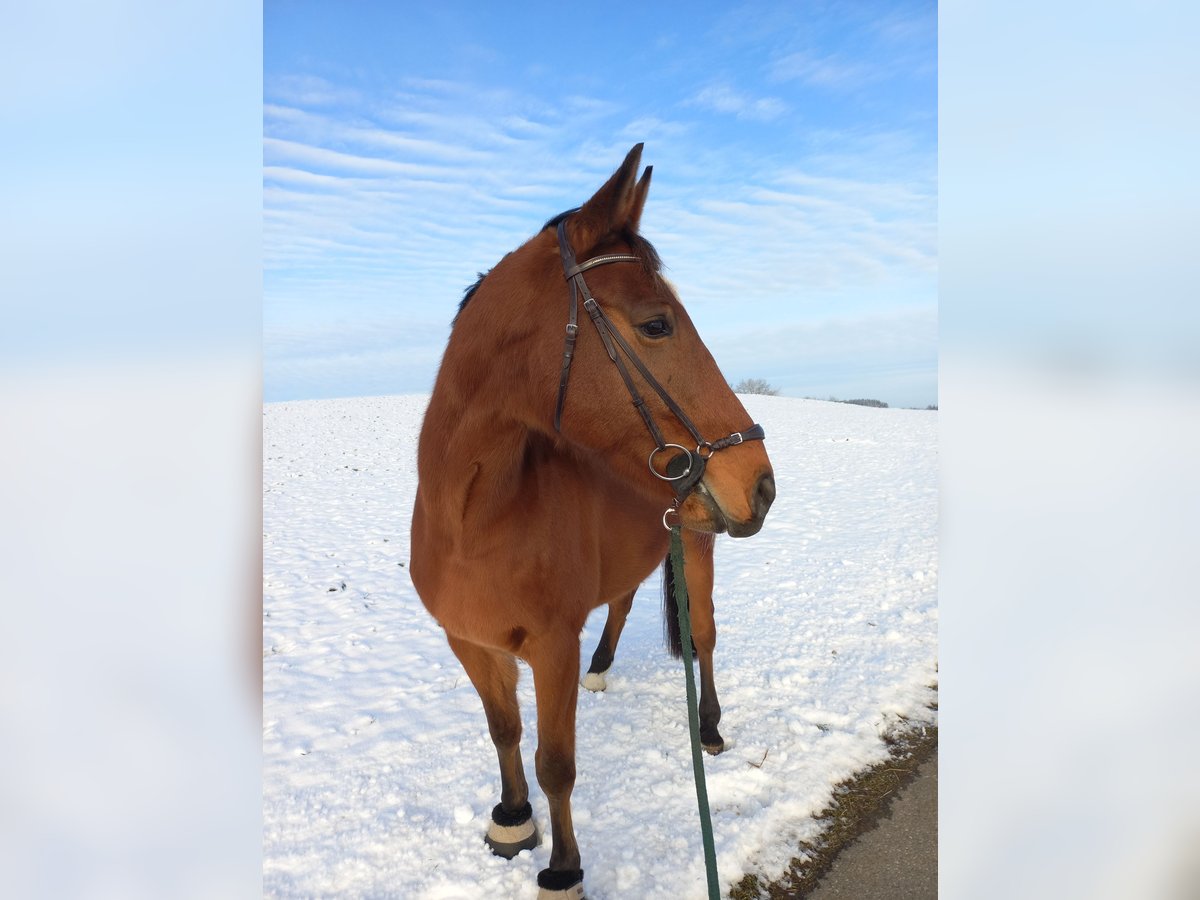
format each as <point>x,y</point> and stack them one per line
<point>655,328</point>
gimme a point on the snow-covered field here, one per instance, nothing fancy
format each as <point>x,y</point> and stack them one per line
<point>378,772</point>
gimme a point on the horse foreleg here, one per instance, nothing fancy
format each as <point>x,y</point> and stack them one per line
<point>494,674</point>
<point>606,650</point>
<point>555,663</point>
<point>698,571</point>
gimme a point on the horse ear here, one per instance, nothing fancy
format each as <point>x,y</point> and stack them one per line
<point>639,199</point>
<point>617,205</point>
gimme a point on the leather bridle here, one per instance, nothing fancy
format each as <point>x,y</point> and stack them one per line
<point>693,470</point>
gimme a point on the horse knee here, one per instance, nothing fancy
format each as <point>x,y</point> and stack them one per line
<point>555,772</point>
<point>704,635</point>
<point>505,734</point>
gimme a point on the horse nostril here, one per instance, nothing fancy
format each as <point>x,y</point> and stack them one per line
<point>764,495</point>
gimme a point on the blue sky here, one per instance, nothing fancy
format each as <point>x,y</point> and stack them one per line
<point>408,147</point>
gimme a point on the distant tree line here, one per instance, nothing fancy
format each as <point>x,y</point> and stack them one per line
<point>876,403</point>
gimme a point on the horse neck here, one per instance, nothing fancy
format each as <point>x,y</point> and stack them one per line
<point>489,421</point>
<point>482,416</point>
<point>487,471</point>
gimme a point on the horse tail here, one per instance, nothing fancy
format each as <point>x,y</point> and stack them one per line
<point>671,636</point>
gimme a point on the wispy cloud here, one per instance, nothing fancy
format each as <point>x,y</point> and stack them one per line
<point>891,353</point>
<point>324,158</point>
<point>907,28</point>
<point>329,361</point>
<point>302,177</point>
<point>650,128</point>
<point>911,195</point>
<point>310,90</point>
<point>590,105</point>
<point>805,239</point>
<point>325,129</point>
<point>381,204</point>
<point>822,71</point>
<point>724,99</point>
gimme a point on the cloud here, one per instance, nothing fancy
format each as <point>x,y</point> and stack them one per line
<point>309,127</point>
<point>367,353</point>
<point>394,203</point>
<point>649,128</point>
<point>309,90</point>
<point>590,106</point>
<point>724,99</point>
<point>904,195</point>
<point>324,158</point>
<point>815,240</point>
<point>890,356</point>
<point>302,177</point>
<point>907,27</point>
<point>820,71</point>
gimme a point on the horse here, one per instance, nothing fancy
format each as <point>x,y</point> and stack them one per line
<point>537,501</point>
<point>698,575</point>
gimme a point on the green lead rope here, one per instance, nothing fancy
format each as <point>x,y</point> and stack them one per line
<point>685,633</point>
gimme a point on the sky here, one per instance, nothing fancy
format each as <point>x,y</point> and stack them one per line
<point>408,147</point>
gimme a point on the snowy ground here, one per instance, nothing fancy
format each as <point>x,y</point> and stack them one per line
<point>378,773</point>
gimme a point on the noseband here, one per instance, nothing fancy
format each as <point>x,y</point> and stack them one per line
<point>685,480</point>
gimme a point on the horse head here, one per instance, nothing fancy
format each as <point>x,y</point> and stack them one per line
<point>686,398</point>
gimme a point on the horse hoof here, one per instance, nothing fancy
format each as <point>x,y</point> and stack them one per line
<point>714,743</point>
<point>595,681</point>
<point>558,885</point>
<point>509,834</point>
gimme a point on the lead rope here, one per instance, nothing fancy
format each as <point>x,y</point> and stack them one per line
<point>685,635</point>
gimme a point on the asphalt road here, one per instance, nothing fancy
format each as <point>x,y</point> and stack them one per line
<point>897,859</point>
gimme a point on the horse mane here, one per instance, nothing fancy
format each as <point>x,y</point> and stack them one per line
<point>467,295</point>
<point>638,246</point>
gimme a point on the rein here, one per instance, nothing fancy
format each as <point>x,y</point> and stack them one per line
<point>685,638</point>
<point>693,470</point>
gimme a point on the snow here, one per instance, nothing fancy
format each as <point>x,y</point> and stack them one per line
<point>378,772</point>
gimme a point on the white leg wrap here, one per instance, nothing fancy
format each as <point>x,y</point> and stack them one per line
<point>595,681</point>
<point>511,834</point>
<point>574,892</point>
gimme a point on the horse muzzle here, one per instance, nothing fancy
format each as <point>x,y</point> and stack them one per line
<point>703,512</point>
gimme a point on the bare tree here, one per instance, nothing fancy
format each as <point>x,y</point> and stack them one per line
<point>754,386</point>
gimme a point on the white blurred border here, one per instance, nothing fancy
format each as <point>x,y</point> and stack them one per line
<point>1070,415</point>
<point>130,458</point>
<point>129,393</point>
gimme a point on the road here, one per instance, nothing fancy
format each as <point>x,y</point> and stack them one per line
<point>896,859</point>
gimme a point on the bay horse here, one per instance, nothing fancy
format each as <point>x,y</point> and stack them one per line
<point>698,572</point>
<point>537,504</point>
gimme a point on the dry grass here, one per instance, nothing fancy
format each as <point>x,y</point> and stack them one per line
<point>857,805</point>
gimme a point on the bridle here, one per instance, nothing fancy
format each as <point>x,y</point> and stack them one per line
<point>693,470</point>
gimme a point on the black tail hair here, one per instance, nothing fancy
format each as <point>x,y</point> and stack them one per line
<point>671,636</point>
